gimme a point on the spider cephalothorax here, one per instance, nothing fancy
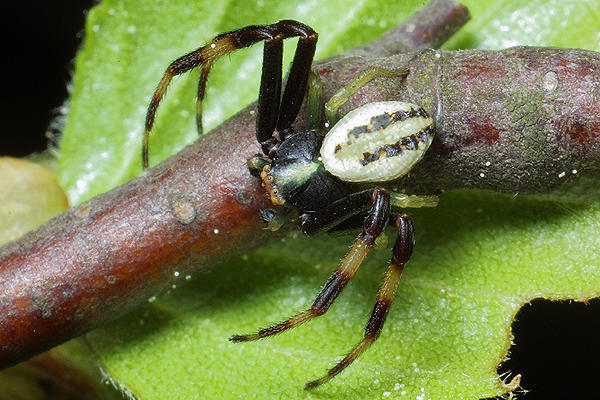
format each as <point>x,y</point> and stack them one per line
<point>331,181</point>
<point>295,174</point>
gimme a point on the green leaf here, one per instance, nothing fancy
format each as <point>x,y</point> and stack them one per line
<point>30,195</point>
<point>478,257</point>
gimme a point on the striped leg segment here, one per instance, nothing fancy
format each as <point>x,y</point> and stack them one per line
<point>200,94</point>
<point>400,256</point>
<point>270,93</point>
<point>374,224</point>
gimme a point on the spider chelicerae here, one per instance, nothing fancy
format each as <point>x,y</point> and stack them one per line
<point>340,179</point>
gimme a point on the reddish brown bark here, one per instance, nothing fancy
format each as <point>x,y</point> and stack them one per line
<point>100,259</point>
<point>521,121</point>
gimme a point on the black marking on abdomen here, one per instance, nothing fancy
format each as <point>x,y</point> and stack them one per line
<point>410,142</point>
<point>384,120</point>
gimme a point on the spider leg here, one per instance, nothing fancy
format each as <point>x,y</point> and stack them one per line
<point>360,80</point>
<point>342,210</point>
<point>374,224</point>
<point>295,88</point>
<point>269,94</point>
<point>400,256</point>
<point>201,88</point>
<point>314,102</point>
<point>275,112</point>
<point>228,42</point>
<point>219,46</point>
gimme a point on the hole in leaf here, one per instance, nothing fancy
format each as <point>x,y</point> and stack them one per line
<point>556,349</point>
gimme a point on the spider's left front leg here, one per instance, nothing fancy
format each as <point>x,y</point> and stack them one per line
<point>400,255</point>
<point>377,202</point>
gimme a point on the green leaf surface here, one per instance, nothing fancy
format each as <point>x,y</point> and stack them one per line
<point>478,257</point>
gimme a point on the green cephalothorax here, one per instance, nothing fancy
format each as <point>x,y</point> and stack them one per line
<point>296,175</point>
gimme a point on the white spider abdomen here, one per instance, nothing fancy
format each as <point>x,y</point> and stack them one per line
<point>377,142</point>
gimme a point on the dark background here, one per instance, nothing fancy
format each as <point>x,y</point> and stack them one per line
<point>557,349</point>
<point>40,40</point>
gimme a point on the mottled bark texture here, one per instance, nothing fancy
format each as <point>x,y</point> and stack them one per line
<point>510,121</point>
<point>524,120</point>
<point>105,257</point>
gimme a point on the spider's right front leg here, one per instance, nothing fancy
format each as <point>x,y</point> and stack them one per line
<point>377,201</point>
<point>273,112</point>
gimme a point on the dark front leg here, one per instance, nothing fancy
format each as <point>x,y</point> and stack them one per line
<point>322,220</point>
<point>295,88</point>
<point>269,93</point>
<point>400,256</point>
<point>374,224</point>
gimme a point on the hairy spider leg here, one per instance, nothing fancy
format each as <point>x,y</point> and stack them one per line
<point>360,80</point>
<point>200,94</point>
<point>230,41</point>
<point>276,113</point>
<point>400,255</point>
<point>204,55</point>
<point>297,79</point>
<point>314,102</point>
<point>378,200</point>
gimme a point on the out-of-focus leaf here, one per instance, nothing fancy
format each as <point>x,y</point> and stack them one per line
<point>29,195</point>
